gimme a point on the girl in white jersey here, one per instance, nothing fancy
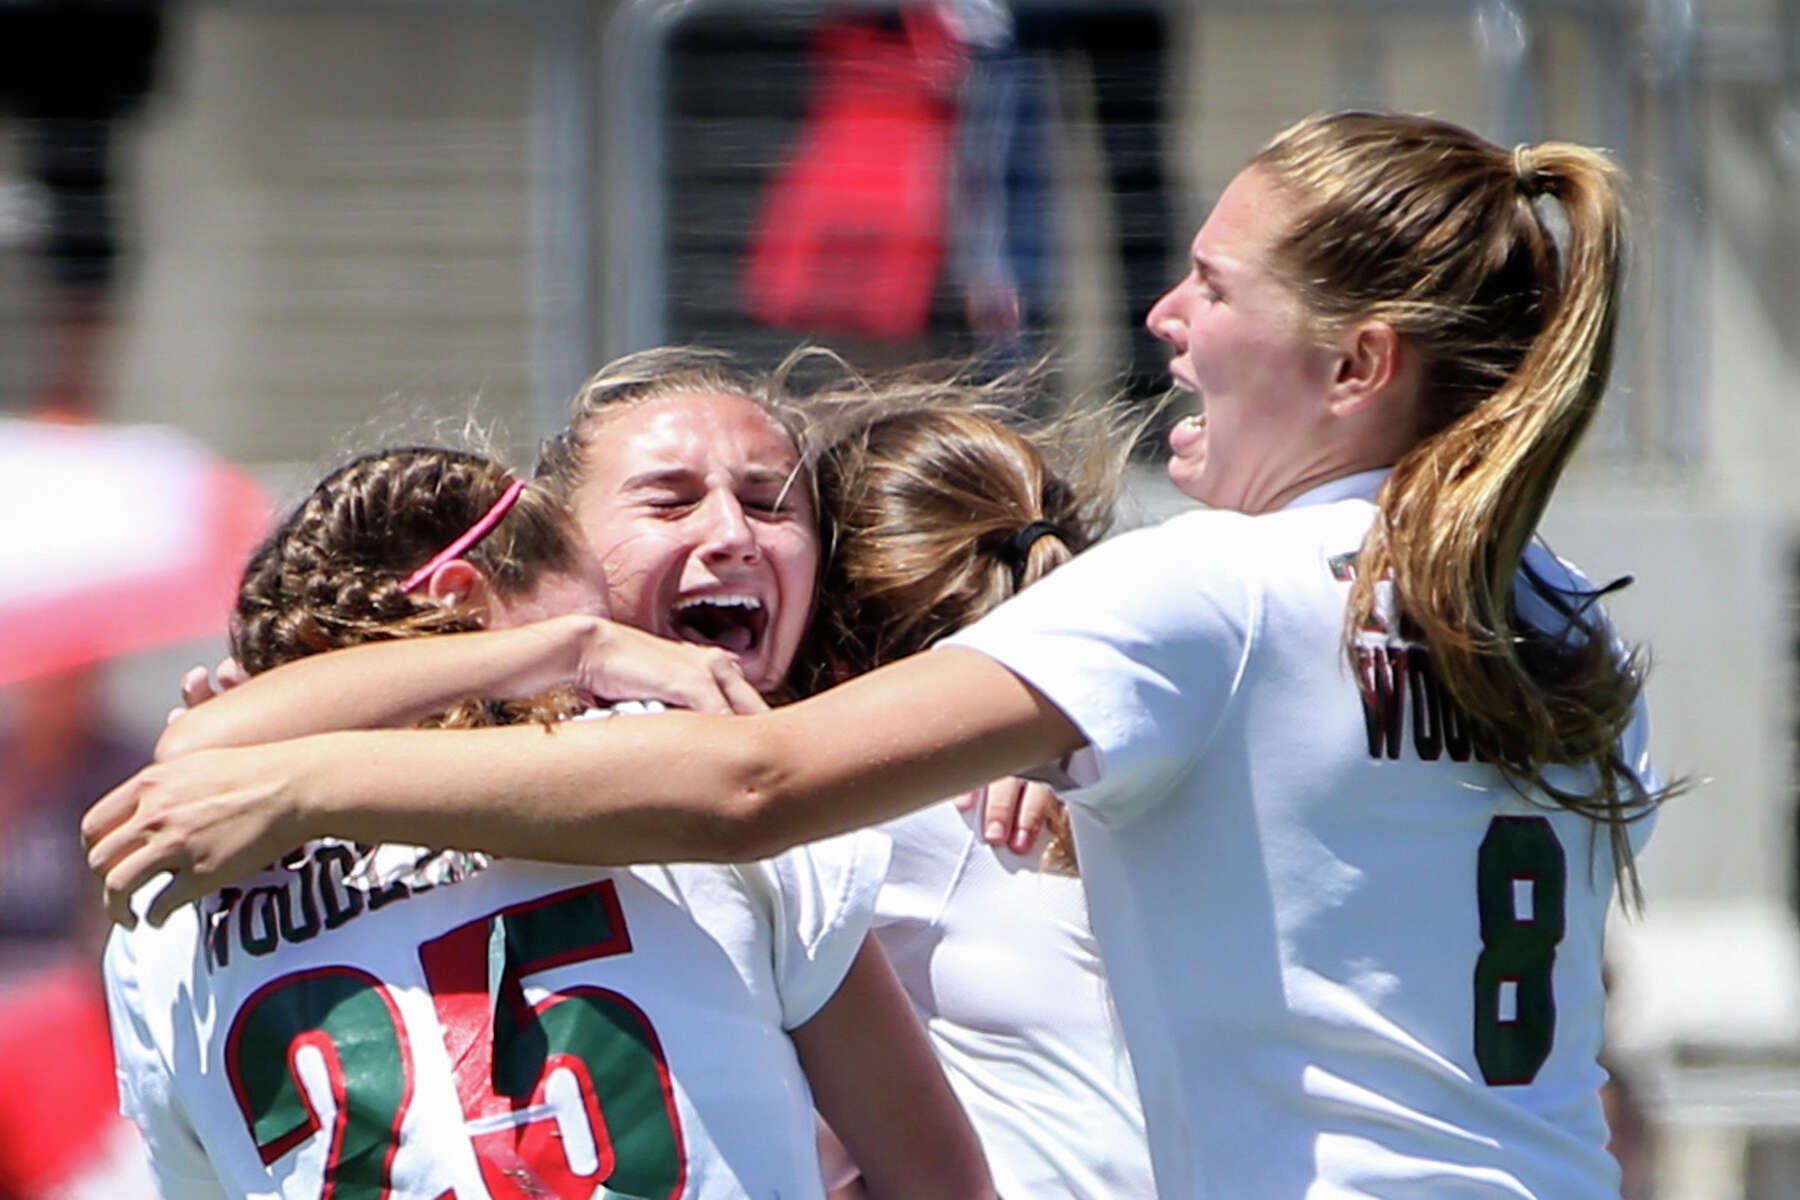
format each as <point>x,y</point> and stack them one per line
<point>422,1023</point>
<point>937,507</point>
<point>1356,762</point>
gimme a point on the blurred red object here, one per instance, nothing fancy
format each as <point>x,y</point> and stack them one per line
<point>115,539</point>
<point>61,1134</point>
<point>850,238</point>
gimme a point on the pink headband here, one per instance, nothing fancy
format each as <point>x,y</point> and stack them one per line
<point>473,534</point>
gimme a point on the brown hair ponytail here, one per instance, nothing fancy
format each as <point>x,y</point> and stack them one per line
<point>1444,236</point>
<point>939,506</point>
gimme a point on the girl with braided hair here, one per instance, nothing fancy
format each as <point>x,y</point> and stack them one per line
<point>440,1012</point>
<point>1354,764</point>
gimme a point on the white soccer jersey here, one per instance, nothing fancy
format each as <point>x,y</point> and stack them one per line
<point>1001,966</point>
<point>531,1030</point>
<point>1349,960</point>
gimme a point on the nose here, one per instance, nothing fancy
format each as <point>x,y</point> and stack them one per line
<point>1164,318</point>
<point>728,534</point>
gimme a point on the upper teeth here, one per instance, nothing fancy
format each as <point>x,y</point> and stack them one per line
<point>749,602</point>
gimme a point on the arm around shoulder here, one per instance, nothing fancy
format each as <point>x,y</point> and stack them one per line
<point>385,684</point>
<point>664,788</point>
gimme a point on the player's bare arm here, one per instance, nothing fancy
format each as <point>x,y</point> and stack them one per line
<point>677,786</point>
<point>906,1133</point>
<point>394,683</point>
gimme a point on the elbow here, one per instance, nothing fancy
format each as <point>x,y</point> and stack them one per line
<point>762,812</point>
<point>189,733</point>
<point>176,742</point>
<point>748,826</point>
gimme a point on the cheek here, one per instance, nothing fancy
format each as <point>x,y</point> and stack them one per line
<point>799,559</point>
<point>636,569</point>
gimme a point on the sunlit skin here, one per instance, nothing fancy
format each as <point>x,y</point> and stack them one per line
<point>579,590</point>
<point>1242,342</point>
<point>704,529</point>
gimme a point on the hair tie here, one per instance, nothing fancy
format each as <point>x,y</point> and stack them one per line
<point>1525,171</point>
<point>470,536</point>
<point>1017,548</point>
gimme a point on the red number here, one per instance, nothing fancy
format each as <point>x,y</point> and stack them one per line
<point>572,1092</point>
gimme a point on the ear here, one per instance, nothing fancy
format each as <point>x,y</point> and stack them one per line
<point>1371,358</point>
<point>459,582</point>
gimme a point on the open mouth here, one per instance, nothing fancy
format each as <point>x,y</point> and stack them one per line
<point>734,623</point>
<point>1187,433</point>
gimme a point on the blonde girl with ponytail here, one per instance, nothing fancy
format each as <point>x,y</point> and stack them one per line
<point>1351,760</point>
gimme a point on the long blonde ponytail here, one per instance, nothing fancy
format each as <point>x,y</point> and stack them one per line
<point>1445,236</point>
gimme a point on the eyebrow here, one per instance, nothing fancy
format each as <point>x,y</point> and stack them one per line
<point>670,476</point>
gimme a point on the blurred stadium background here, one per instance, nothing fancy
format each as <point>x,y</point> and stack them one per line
<point>341,219</point>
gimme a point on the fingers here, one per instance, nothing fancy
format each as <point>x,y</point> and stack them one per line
<point>700,678</point>
<point>740,695</point>
<point>1035,807</point>
<point>107,813</point>
<point>118,852</point>
<point>132,873</point>
<point>112,848</point>
<point>181,889</point>
<point>120,886</point>
<point>1013,812</point>
<point>197,687</point>
<point>1000,805</point>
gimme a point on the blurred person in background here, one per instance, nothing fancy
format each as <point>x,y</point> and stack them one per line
<point>71,73</point>
<point>1005,258</point>
<point>58,750</point>
<point>61,1133</point>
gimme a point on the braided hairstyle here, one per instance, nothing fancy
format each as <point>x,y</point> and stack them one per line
<point>330,575</point>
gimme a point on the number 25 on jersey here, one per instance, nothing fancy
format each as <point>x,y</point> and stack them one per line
<point>559,1098</point>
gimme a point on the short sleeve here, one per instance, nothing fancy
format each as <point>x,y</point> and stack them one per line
<point>1141,642</point>
<point>146,1085</point>
<point>822,897</point>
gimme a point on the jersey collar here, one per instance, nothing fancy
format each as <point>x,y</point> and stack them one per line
<point>1361,486</point>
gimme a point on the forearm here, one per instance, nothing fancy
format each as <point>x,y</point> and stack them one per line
<point>666,788</point>
<point>384,684</point>
<point>553,794</point>
<point>686,785</point>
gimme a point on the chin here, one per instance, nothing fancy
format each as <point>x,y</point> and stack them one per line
<point>1188,477</point>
